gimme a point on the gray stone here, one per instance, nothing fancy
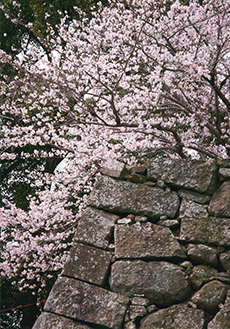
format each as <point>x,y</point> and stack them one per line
<point>146,241</point>
<point>113,168</point>
<point>152,308</point>
<point>130,325</point>
<point>224,173</point>
<point>171,223</point>
<point>87,263</point>
<point>206,230</point>
<point>85,302</point>
<point>203,254</point>
<point>194,196</point>
<point>190,209</point>
<point>95,227</point>
<point>162,283</point>
<point>195,175</point>
<point>225,260</point>
<point>141,219</point>
<point>126,198</point>
<point>220,202</point>
<point>53,321</point>
<point>223,277</point>
<point>200,275</point>
<point>140,301</point>
<point>222,319</point>
<point>137,311</point>
<point>174,317</point>
<point>210,296</point>
<point>125,220</point>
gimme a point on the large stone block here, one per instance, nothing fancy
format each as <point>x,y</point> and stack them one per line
<point>95,227</point>
<point>214,231</point>
<point>210,296</point>
<point>87,263</point>
<point>162,282</point>
<point>195,175</point>
<point>82,301</point>
<point>146,241</point>
<point>220,202</point>
<point>53,321</point>
<point>174,317</point>
<point>126,198</point>
<point>222,318</point>
<point>113,168</point>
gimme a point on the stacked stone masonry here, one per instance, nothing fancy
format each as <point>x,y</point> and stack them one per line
<point>152,250</point>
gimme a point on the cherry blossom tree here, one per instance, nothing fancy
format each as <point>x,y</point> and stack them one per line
<point>141,78</point>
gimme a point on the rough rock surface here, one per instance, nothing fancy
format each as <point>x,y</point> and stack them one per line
<point>200,275</point>
<point>174,317</point>
<point>126,197</point>
<point>190,209</point>
<point>151,241</point>
<point>87,263</point>
<point>210,296</point>
<point>206,230</point>
<point>162,282</point>
<point>203,254</point>
<point>194,196</point>
<point>222,319</point>
<point>53,321</point>
<point>225,260</point>
<point>190,174</point>
<point>102,224</point>
<point>85,302</point>
<point>113,168</point>
<point>220,202</point>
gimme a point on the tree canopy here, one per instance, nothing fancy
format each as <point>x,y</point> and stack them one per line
<point>138,79</point>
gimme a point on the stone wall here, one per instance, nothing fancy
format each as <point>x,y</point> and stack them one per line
<point>152,250</point>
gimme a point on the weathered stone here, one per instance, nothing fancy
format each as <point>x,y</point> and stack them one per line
<point>146,241</point>
<point>95,227</point>
<point>223,277</point>
<point>152,308</point>
<point>141,219</point>
<point>203,254</point>
<point>206,230</point>
<point>126,197</point>
<point>174,317</point>
<point>125,220</point>
<point>224,173</point>
<point>171,223</point>
<point>222,319</point>
<point>137,311</point>
<point>113,168</point>
<point>225,260</point>
<point>200,275</point>
<point>140,301</point>
<point>85,302</point>
<point>220,202</point>
<point>210,296</point>
<point>195,175</point>
<point>87,263</point>
<point>190,209</point>
<point>130,325</point>
<point>194,196</point>
<point>161,282</point>
<point>53,321</point>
